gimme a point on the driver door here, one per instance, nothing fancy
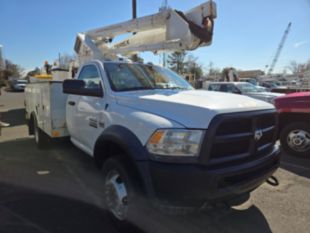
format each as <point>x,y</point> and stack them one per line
<point>89,109</point>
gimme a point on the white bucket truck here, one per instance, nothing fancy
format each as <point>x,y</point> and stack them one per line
<point>148,130</point>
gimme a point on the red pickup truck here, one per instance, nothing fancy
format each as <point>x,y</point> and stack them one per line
<point>294,123</point>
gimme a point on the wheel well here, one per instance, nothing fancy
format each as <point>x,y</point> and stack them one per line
<point>106,149</point>
<point>31,124</point>
<point>287,118</point>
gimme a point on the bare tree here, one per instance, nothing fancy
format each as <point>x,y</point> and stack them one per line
<point>136,58</point>
<point>64,60</point>
<point>176,61</point>
<point>193,67</point>
<point>213,71</point>
<point>11,70</point>
<point>293,67</point>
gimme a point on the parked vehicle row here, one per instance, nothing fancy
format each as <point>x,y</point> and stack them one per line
<point>243,88</point>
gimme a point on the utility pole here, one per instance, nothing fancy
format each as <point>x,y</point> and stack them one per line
<point>134,16</point>
<point>134,9</point>
<point>59,60</point>
<point>163,7</point>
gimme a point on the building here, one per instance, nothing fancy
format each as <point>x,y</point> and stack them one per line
<point>246,74</point>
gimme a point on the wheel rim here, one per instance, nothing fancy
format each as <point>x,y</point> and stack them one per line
<point>116,195</point>
<point>299,140</point>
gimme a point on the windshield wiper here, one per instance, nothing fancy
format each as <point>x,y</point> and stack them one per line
<point>172,88</point>
<point>177,88</point>
<point>137,89</point>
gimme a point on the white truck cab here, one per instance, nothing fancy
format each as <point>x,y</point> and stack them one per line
<point>150,132</point>
<point>140,92</point>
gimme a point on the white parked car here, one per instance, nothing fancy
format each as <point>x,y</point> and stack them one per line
<point>244,88</point>
<point>19,84</point>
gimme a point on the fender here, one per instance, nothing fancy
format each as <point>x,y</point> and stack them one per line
<point>129,143</point>
<point>126,140</point>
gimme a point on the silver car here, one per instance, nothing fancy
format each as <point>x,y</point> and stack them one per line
<point>244,88</point>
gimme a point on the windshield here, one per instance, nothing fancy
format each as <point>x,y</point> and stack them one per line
<point>247,87</point>
<point>128,77</point>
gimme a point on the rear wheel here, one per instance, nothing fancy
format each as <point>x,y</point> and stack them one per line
<point>295,139</point>
<point>40,137</point>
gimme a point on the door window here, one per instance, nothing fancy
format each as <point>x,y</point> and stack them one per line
<point>214,87</point>
<point>230,88</point>
<point>90,76</point>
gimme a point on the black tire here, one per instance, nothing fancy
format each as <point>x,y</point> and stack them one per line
<point>116,163</point>
<point>40,137</point>
<point>286,139</point>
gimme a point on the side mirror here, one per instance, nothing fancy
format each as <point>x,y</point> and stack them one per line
<point>77,87</point>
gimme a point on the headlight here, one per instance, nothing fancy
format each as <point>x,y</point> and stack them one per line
<point>175,142</point>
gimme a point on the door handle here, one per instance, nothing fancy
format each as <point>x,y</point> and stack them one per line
<point>71,103</point>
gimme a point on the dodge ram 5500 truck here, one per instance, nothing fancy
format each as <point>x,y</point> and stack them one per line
<point>148,130</point>
<point>152,133</point>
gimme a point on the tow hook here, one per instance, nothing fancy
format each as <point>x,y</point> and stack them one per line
<point>273,181</point>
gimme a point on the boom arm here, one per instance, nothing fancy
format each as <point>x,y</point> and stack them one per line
<point>168,30</point>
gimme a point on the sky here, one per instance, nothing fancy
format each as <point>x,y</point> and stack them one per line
<point>246,34</point>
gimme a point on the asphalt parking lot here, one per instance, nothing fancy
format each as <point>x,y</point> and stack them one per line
<point>58,191</point>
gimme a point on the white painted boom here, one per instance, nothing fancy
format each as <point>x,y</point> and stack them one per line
<point>168,30</point>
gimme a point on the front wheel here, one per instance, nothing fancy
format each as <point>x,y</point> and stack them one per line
<point>295,139</point>
<point>119,190</point>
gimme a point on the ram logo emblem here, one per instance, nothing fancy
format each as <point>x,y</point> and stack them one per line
<point>258,134</point>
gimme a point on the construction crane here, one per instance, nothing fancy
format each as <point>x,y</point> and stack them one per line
<point>276,57</point>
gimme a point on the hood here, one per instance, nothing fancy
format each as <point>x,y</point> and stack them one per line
<point>295,102</point>
<point>305,95</point>
<point>192,109</point>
